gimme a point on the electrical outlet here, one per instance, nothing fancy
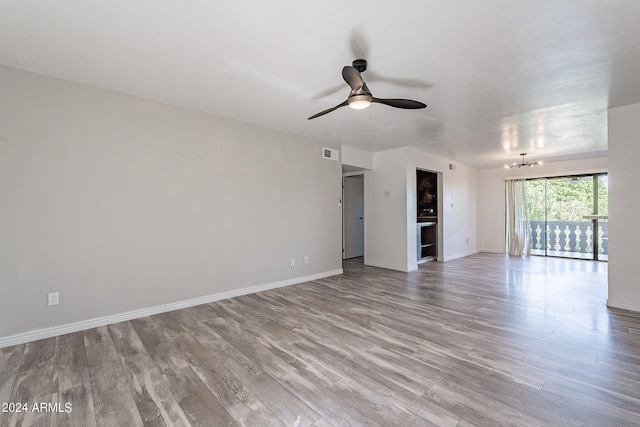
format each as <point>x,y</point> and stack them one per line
<point>293,262</point>
<point>306,260</point>
<point>53,298</point>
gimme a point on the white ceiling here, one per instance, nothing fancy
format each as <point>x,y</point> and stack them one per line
<point>500,77</point>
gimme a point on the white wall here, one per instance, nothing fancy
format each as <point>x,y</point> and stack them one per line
<point>624,206</point>
<point>390,221</point>
<point>492,194</point>
<point>385,222</point>
<point>358,158</point>
<point>122,204</point>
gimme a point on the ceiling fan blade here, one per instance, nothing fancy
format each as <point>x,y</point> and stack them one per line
<point>400,103</point>
<point>322,113</point>
<point>352,77</point>
<point>329,91</point>
<point>359,45</point>
<point>365,89</point>
<point>405,82</point>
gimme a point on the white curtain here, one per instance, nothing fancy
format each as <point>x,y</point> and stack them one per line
<point>518,230</point>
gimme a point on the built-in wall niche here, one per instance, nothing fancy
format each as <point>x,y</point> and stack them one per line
<point>427,215</point>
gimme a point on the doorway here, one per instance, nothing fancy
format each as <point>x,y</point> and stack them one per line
<point>352,216</point>
<point>568,216</point>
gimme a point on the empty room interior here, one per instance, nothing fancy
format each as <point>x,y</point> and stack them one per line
<point>284,213</point>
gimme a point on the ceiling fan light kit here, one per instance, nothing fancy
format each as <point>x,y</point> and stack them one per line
<point>359,102</point>
<point>523,164</point>
<point>360,96</point>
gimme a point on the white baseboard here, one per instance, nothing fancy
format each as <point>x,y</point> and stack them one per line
<point>623,306</point>
<point>461,255</point>
<point>403,268</point>
<point>493,251</point>
<point>135,314</point>
<point>414,267</point>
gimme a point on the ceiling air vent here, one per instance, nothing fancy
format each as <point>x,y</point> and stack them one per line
<point>328,153</point>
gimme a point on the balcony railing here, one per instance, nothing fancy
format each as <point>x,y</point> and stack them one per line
<point>573,239</point>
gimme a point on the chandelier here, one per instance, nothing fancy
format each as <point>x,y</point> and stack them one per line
<point>519,165</point>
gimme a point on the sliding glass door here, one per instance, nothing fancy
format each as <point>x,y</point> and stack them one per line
<point>568,216</point>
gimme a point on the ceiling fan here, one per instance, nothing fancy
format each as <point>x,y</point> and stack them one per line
<point>361,97</point>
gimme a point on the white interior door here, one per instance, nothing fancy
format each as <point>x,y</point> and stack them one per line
<point>353,216</point>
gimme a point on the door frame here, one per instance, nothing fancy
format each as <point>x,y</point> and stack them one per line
<point>346,175</point>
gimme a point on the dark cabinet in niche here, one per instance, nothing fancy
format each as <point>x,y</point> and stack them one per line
<point>427,215</point>
<point>427,189</point>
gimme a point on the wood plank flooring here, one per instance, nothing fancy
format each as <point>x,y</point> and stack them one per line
<point>483,340</point>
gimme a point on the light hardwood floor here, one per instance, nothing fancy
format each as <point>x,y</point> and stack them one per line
<point>484,340</point>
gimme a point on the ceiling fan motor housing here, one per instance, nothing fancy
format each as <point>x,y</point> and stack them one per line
<point>360,65</point>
